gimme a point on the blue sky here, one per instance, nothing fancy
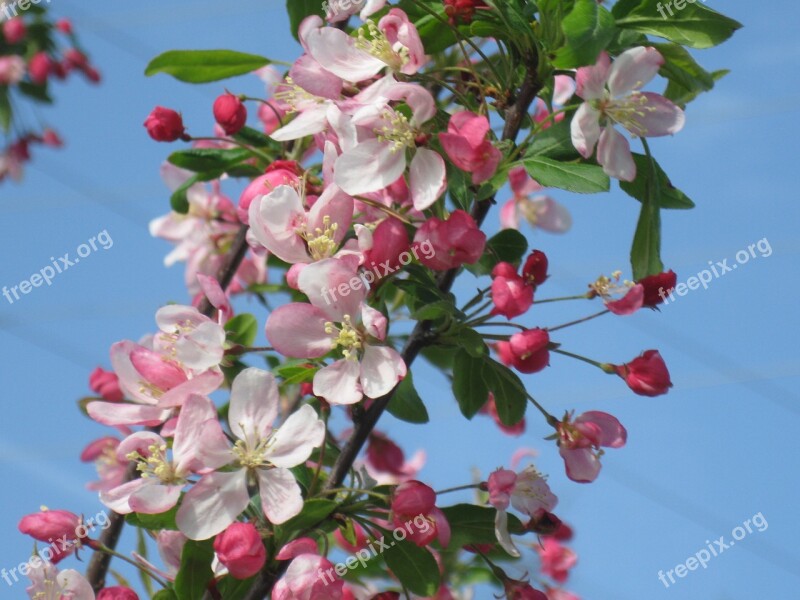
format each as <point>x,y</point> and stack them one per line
<point>718,449</point>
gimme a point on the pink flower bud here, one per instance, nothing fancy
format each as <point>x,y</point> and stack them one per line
<point>241,550</point>
<point>164,125</point>
<point>14,30</point>
<point>413,498</point>
<point>53,525</point>
<point>230,113</point>
<point>501,485</point>
<point>52,139</point>
<point>75,58</point>
<point>117,593</point>
<point>384,455</point>
<point>657,287</point>
<point>389,241</point>
<point>646,375</point>
<point>526,351</point>
<point>511,294</point>
<point>520,590</point>
<point>39,68</point>
<point>264,185</point>
<point>106,383</point>
<point>535,269</point>
<point>64,26</point>
<point>450,243</point>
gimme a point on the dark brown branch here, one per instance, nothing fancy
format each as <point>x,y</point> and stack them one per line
<point>100,561</point>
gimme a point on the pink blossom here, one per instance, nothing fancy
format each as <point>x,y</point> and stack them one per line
<point>12,69</point>
<point>385,244</point>
<point>468,146</point>
<point>339,11</point>
<point>580,442</point>
<point>283,175</point>
<point>456,241</point>
<point>302,580</point>
<point>14,30</point>
<point>49,525</point>
<point>527,351</point>
<point>560,594</point>
<point>540,211</point>
<point>611,94</point>
<point>413,507</point>
<point>110,469</point>
<point>195,341</point>
<point>105,383</point>
<point>241,549</point>
<point>556,559</point>
<point>48,583</point>
<point>646,375</point>
<point>117,593</point>
<point>620,297</point>
<point>511,294</point>
<point>261,452</point>
<point>230,113</point>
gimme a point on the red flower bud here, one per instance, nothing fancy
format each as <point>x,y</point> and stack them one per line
<point>519,590</point>
<point>462,10</point>
<point>64,26</point>
<point>526,351</point>
<point>14,30</point>
<point>39,68</point>
<point>413,498</point>
<point>646,375</point>
<point>164,125</point>
<point>75,58</point>
<point>384,455</point>
<point>658,287</point>
<point>117,593</point>
<point>535,269</point>
<point>106,383</point>
<point>241,550</point>
<point>230,113</point>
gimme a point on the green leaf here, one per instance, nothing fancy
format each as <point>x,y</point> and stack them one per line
<point>5,110</point>
<point>573,177</point>
<point>669,196</point>
<point>295,373</point>
<point>165,594</point>
<point>475,377</point>
<point>195,572</point>
<point>509,245</point>
<point>234,589</point>
<point>436,35</point>
<point>434,310</point>
<point>472,342</point>
<point>554,142</point>
<point>253,137</point>
<point>471,524</point>
<point>300,9</point>
<point>141,549</point>
<point>165,520</point>
<point>314,511</point>
<point>646,249</point>
<point>694,25</point>
<point>415,567</point>
<point>588,30</point>
<point>179,201</point>
<point>686,78</point>
<point>208,159</point>
<point>37,92</point>
<point>406,404</point>
<point>203,66</point>
<point>242,329</point>
<point>469,387</point>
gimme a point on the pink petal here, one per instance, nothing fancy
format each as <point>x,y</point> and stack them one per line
<point>585,129</point>
<point>335,205</point>
<point>338,383</point>
<point>552,216</point>
<point>329,286</point>
<point>254,404</point>
<point>611,433</point>
<point>117,498</point>
<point>661,117</point>
<point>155,499</point>
<point>114,413</point>
<point>293,443</point>
<point>204,384</point>
<point>633,69</point>
<point>427,178</point>
<point>382,368</point>
<point>281,498</point>
<point>591,81</point>
<point>309,121</point>
<point>309,75</point>
<point>630,303</point>
<point>374,322</point>
<point>614,153</point>
<point>212,504</point>
<point>581,464</point>
<point>336,51</point>
<point>298,330</point>
<point>199,437</point>
<point>304,545</point>
<point>369,167</point>
<point>509,217</point>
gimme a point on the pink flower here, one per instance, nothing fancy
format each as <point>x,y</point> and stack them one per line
<point>286,174</point>
<point>580,442</point>
<point>48,583</point>
<point>534,270</point>
<point>49,525</point>
<point>621,298</point>
<point>14,30</point>
<point>193,340</point>
<point>339,11</point>
<point>527,351</point>
<point>338,320</point>
<point>309,577</point>
<point>559,594</point>
<point>64,26</point>
<point>105,383</point>
<point>117,593</point>
<point>163,478</point>
<point>414,508</point>
<point>646,375</point>
<point>241,549</point>
<point>39,68</point>
<point>564,89</point>
<point>611,96</point>
<point>456,241</point>
<point>556,559</point>
<point>385,244</point>
<point>164,125</point>
<point>539,211</point>
<point>467,145</point>
<point>110,469</point>
<point>261,453</point>
<point>230,113</point>
<point>280,222</point>
<point>657,287</point>
<point>527,491</point>
<point>511,294</point>
<point>12,69</point>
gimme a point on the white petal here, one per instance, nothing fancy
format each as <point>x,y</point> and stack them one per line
<point>382,368</point>
<point>369,167</point>
<point>212,504</point>
<point>338,383</point>
<point>281,497</point>
<point>254,404</point>
<point>297,437</point>
<point>427,178</point>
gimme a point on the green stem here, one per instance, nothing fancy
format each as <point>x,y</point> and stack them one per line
<point>114,553</point>
<point>599,365</point>
<point>258,153</point>
<point>471,486</point>
<point>562,298</point>
<point>579,321</point>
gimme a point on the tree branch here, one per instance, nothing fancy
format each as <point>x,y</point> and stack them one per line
<point>101,561</point>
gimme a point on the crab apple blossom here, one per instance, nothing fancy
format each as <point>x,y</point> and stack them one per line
<point>164,125</point>
<point>110,469</point>
<point>456,241</point>
<point>309,575</point>
<point>162,479</point>
<point>414,506</point>
<point>556,559</point>
<point>48,525</point>
<point>527,351</point>
<point>620,297</point>
<point>230,113</point>
<point>286,173</point>
<point>281,223</point>
<point>534,269</point>
<point>563,89</point>
<point>580,442</point>
<point>192,339</point>
<point>540,211</point>
<point>462,11</point>
<point>526,491</point>
<point>612,96</point>
<point>14,30</point>
<point>39,68</point>
<point>12,70</point>
<point>260,456</point>
<point>48,583</point>
<point>241,549</point>
<point>511,294</point>
<point>117,593</point>
<point>559,594</point>
<point>657,287</point>
<point>385,244</point>
<point>338,12</point>
<point>106,383</point>
<point>646,375</point>
<point>467,145</point>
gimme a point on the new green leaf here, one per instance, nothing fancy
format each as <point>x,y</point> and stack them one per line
<point>203,66</point>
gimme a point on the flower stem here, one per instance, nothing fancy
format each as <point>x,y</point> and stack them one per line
<point>579,321</point>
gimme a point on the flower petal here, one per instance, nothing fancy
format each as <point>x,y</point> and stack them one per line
<point>297,437</point>
<point>585,129</point>
<point>427,178</point>
<point>338,383</point>
<point>633,69</point>
<point>254,404</point>
<point>614,153</point>
<point>382,368</point>
<point>212,504</point>
<point>369,167</point>
<point>297,330</point>
<point>281,498</point>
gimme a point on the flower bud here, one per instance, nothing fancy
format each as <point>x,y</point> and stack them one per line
<point>535,269</point>
<point>241,550</point>
<point>520,590</point>
<point>526,351</point>
<point>106,383</point>
<point>452,243</point>
<point>657,287</point>
<point>230,113</point>
<point>117,593</point>
<point>64,26</point>
<point>50,524</point>
<point>14,30</point>
<point>164,125</point>
<point>413,498</point>
<point>646,375</point>
<point>39,68</point>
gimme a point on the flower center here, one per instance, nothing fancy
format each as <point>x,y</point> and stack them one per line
<point>347,337</point>
<point>397,130</point>
<point>52,590</point>
<point>607,287</point>
<point>628,111</point>
<point>377,44</point>
<point>252,458</point>
<point>295,96</point>
<point>156,465</point>
<point>321,243</point>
